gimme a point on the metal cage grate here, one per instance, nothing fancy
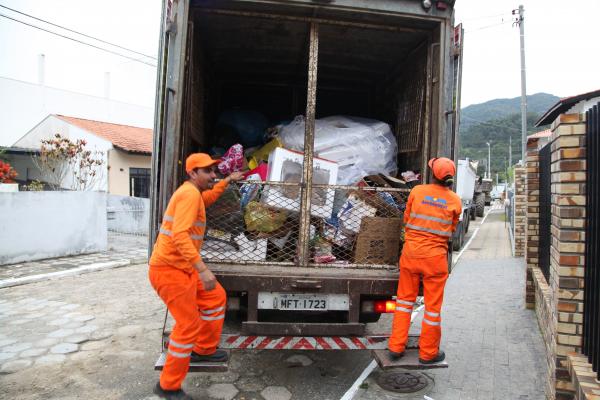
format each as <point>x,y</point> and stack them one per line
<point>350,226</point>
<point>545,219</point>
<point>591,309</point>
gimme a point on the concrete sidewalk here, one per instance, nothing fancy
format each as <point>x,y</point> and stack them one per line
<point>493,344</point>
<point>122,250</point>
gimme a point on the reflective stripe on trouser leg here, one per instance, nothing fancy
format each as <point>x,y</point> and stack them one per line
<point>178,290</point>
<point>408,288</point>
<point>211,315</point>
<point>433,292</point>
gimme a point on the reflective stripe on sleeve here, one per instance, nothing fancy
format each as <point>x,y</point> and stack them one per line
<point>213,310</point>
<point>432,314</point>
<point>408,303</point>
<point>165,232</point>
<point>197,237</point>
<point>179,345</point>
<point>406,310</point>
<point>432,323</point>
<point>420,228</point>
<point>178,354</point>
<point>206,318</point>
<point>430,218</point>
<point>169,218</point>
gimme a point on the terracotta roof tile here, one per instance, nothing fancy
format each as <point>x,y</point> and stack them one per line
<point>540,134</point>
<point>125,137</point>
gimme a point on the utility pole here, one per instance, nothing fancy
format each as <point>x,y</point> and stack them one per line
<point>520,20</point>
<point>489,166</point>
<point>509,150</point>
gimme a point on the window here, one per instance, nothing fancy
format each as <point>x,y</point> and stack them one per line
<point>139,182</point>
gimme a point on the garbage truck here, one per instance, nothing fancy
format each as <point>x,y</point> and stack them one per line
<point>308,260</point>
<point>466,178</point>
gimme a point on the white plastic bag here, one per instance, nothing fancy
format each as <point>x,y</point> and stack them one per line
<point>360,146</point>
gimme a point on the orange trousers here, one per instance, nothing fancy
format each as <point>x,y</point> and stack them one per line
<point>199,315</point>
<point>434,271</point>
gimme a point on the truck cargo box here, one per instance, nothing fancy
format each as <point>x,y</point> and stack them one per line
<point>390,61</point>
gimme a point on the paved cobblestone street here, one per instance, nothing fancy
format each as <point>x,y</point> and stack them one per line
<point>493,344</point>
<point>97,336</point>
<point>127,249</point>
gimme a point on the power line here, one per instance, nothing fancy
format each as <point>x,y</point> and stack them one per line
<point>78,41</point>
<point>78,33</point>
<point>485,17</point>
<point>485,27</point>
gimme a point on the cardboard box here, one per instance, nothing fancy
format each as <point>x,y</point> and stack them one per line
<point>287,166</point>
<point>378,241</point>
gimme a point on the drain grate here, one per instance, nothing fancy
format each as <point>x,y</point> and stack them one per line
<point>402,382</point>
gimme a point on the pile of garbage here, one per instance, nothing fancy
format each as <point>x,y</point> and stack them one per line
<point>259,221</point>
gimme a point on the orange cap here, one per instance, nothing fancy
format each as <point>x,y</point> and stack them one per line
<point>199,160</point>
<point>442,167</point>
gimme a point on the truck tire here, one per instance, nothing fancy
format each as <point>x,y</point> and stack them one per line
<point>472,213</point>
<point>467,221</point>
<point>479,204</point>
<point>458,236</point>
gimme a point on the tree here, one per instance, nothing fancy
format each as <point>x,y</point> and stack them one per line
<point>69,164</point>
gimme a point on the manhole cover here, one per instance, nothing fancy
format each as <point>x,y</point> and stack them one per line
<point>402,382</point>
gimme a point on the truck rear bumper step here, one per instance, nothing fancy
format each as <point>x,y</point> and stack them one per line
<point>410,360</point>
<point>195,367</point>
<point>304,329</point>
<point>255,342</point>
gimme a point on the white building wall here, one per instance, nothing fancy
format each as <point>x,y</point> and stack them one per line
<point>24,104</point>
<point>53,125</point>
<point>51,224</point>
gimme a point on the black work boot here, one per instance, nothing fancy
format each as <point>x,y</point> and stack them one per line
<point>170,394</point>
<point>441,356</point>
<point>394,355</point>
<point>217,356</point>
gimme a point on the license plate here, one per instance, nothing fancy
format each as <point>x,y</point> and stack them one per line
<point>302,301</point>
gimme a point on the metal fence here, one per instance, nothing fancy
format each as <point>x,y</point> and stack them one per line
<point>545,218</point>
<point>127,222</point>
<point>349,226</point>
<point>591,309</point>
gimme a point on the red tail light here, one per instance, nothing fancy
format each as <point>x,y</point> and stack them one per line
<point>384,306</point>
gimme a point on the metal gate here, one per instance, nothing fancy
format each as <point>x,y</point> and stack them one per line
<point>545,211</point>
<point>591,309</point>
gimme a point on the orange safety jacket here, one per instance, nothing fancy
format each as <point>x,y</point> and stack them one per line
<point>182,230</point>
<point>431,215</point>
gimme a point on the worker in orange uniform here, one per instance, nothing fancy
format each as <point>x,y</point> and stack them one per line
<point>432,213</point>
<point>183,281</point>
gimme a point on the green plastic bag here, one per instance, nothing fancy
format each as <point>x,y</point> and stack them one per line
<point>261,218</point>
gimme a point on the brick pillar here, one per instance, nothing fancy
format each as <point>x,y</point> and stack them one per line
<point>533,204</point>
<point>568,241</point>
<point>520,210</point>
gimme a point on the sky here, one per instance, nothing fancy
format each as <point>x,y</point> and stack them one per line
<point>561,52</point>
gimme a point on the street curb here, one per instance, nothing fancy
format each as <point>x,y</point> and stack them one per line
<point>71,272</point>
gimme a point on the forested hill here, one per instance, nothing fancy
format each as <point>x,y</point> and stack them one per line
<point>537,103</point>
<point>496,121</point>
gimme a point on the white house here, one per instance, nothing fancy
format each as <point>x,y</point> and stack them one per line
<point>126,151</point>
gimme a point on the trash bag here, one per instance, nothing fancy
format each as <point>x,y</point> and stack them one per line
<point>232,160</point>
<point>261,218</point>
<point>360,146</point>
<point>248,125</point>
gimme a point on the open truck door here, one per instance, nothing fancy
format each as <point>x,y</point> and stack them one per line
<point>166,151</point>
